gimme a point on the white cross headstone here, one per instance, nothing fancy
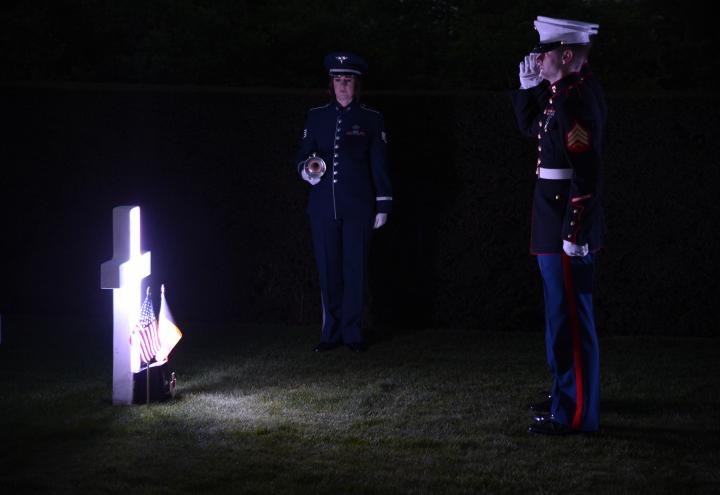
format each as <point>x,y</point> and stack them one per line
<point>123,274</point>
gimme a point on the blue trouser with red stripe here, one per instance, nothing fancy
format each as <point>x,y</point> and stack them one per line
<point>570,339</point>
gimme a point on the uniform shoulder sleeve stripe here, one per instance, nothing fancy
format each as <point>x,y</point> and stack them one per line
<point>319,108</point>
<point>369,109</point>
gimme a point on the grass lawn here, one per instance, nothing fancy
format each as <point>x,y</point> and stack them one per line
<point>432,411</point>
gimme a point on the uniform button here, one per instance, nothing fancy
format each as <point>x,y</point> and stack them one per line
<point>335,172</point>
<point>539,148</point>
<point>539,136</point>
<point>569,236</point>
<point>572,222</point>
<point>574,210</point>
<point>539,161</point>
<point>540,123</point>
<point>335,164</point>
<point>339,121</point>
<point>337,146</point>
<point>550,101</point>
<point>335,155</point>
<point>557,196</point>
<point>334,181</point>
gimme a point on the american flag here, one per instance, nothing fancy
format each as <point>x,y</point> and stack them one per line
<point>147,331</point>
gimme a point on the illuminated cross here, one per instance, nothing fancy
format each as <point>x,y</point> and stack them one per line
<point>123,274</point>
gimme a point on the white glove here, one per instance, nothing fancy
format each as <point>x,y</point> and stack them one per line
<point>529,72</point>
<point>380,220</point>
<point>574,249</point>
<point>311,180</point>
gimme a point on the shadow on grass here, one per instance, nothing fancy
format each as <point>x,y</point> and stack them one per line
<point>662,436</point>
<point>641,421</point>
<point>650,407</point>
<point>432,412</point>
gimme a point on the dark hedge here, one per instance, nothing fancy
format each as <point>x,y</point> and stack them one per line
<point>224,213</point>
<point>427,44</point>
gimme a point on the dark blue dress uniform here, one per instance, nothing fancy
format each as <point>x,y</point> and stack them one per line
<point>356,185</point>
<point>568,119</point>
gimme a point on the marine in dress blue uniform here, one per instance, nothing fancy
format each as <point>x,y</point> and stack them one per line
<point>566,115</point>
<point>352,197</point>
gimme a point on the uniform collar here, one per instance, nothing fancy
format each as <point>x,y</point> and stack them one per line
<point>565,83</point>
<point>585,70</point>
<point>340,108</point>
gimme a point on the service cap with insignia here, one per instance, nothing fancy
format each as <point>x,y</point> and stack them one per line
<point>345,64</point>
<point>557,32</point>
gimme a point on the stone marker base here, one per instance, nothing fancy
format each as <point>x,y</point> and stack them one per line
<point>162,385</point>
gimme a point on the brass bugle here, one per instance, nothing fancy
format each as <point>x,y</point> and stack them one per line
<point>315,166</point>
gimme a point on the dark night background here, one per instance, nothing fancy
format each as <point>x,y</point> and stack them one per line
<point>194,110</point>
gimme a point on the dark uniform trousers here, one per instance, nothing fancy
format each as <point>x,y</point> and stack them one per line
<point>342,208</point>
<point>568,119</point>
<point>341,252</point>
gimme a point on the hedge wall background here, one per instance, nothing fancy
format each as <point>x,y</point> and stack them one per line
<point>223,211</point>
<point>425,44</point>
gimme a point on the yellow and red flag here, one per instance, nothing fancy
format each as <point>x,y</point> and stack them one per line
<point>168,332</point>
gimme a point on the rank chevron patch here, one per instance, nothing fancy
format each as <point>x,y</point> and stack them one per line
<point>577,139</point>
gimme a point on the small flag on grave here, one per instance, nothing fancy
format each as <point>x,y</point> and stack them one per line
<point>145,333</point>
<point>168,332</point>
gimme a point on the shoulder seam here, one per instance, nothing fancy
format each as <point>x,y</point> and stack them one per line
<point>368,109</point>
<point>318,108</point>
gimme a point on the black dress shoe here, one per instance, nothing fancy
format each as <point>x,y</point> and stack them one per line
<point>325,346</point>
<point>545,425</point>
<point>357,347</point>
<point>539,418</point>
<point>542,407</point>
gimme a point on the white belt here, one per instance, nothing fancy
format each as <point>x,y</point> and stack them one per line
<point>554,173</point>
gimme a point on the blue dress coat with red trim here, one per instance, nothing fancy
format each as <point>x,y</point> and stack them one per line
<point>568,120</point>
<point>353,143</point>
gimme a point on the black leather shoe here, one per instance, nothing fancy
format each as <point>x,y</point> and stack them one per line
<point>325,346</point>
<point>545,425</point>
<point>542,407</point>
<point>539,418</point>
<point>357,347</point>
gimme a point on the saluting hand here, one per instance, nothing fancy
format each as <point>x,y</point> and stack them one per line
<point>529,72</point>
